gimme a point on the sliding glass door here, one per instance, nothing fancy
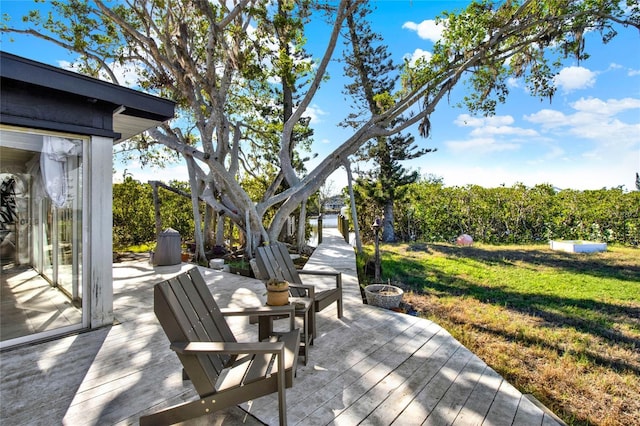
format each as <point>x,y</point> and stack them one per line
<point>62,251</point>
<point>41,223</point>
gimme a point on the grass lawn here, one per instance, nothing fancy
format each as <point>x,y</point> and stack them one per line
<point>564,327</point>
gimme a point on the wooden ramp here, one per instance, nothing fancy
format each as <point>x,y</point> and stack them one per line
<point>372,367</point>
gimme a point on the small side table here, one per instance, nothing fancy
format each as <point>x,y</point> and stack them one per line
<point>304,310</point>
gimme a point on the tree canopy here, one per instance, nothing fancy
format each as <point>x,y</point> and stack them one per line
<point>243,81</point>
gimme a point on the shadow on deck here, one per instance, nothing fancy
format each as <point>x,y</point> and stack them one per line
<point>373,366</point>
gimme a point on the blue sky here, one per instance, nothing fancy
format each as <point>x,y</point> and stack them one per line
<point>588,137</point>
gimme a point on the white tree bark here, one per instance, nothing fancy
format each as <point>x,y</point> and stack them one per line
<point>354,212</point>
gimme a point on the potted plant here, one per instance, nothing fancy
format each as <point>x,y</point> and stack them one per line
<point>277,292</point>
<point>383,295</point>
<point>241,267</point>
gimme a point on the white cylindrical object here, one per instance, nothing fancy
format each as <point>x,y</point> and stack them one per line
<point>216,264</point>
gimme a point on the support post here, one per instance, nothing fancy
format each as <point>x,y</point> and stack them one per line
<point>375,227</point>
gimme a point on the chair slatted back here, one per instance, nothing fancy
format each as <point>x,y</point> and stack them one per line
<point>187,312</point>
<point>276,262</point>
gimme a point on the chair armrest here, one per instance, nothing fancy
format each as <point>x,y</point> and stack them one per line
<point>258,311</point>
<point>230,348</point>
<point>312,272</point>
<point>338,275</point>
<point>309,289</point>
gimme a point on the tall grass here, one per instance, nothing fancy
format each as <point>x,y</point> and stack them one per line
<point>562,326</point>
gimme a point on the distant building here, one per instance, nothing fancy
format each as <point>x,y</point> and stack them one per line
<point>334,204</point>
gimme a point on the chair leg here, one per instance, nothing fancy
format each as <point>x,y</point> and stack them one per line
<point>265,327</point>
<point>282,403</point>
<point>312,324</point>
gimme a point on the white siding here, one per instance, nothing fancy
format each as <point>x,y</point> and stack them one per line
<point>99,245</point>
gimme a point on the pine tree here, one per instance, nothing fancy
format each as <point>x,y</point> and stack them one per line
<point>374,77</point>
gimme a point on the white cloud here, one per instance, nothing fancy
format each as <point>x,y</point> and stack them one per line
<point>497,125</point>
<point>596,138</point>
<point>574,78</point>
<point>467,120</point>
<point>514,82</point>
<point>592,136</point>
<point>581,174</point>
<point>503,131</point>
<point>554,153</point>
<point>427,29</point>
<point>483,145</point>
<point>608,108</point>
<point>482,137</point>
<point>548,118</point>
<point>542,154</point>
<point>417,54</point>
<point>595,120</point>
<point>316,113</point>
<point>610,133</point>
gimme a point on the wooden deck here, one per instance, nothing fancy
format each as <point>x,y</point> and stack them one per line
<point>373,367</point>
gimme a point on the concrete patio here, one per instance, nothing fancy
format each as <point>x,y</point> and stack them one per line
<point>373,366</point>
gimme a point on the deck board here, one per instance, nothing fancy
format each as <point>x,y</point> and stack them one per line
<point>419,369</point>
<point>448,407</point>
<point>528,414</point>
<point>504,406</point>
<point>477,404</point>
<point>372,367</point>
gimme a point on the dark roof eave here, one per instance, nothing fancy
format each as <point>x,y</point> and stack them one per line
<point>39,74</point>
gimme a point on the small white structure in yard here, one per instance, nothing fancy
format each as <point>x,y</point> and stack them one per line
<point>578,246</point>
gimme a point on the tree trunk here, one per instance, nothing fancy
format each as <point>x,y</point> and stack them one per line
<point>209,224</point>
<point>248,240</point>
<point>220,230</point>
<point>302,226</point>
<point>388,233</point>
<point>156,208</point>
<point>197,219</point>
<point>354,212</point>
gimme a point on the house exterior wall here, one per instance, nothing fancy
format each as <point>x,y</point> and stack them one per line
<point>38,99</point>
<point>99,232</point>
